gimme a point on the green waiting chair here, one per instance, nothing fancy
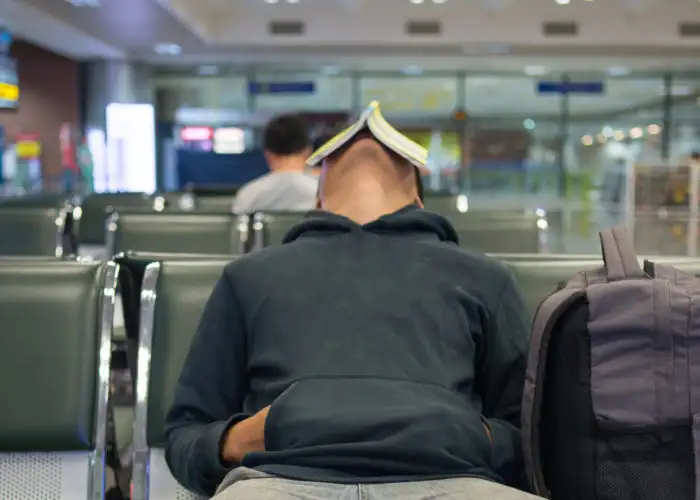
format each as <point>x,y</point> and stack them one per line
<point>539,278</point>
<point>54,378</point>
<point>177,232</point>
<point>173,297</point>
<point>90,215</point>
<point>33,231</point>
<point>269,228</point>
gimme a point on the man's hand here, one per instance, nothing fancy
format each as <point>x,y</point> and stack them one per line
<point>246,436</point>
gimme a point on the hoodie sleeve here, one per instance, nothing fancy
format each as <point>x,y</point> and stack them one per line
<point>500,377</point>
<point>209,395</point>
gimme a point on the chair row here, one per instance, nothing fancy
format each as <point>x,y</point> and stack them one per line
<point>56,226</point>
<point>231,234</point>
<point>84,218</point>
<point>55,352</point>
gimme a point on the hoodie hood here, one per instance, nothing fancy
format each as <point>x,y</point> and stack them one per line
<point>410,220</point>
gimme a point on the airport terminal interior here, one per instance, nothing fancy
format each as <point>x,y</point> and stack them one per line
<point>128,126</point>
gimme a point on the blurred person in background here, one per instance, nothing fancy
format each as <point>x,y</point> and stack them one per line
<point>86,165</point>
<point>368,357</point>
<point>287,187</point>
<point>68,158</point>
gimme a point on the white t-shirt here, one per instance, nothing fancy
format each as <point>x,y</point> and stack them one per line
<point>277,191</point>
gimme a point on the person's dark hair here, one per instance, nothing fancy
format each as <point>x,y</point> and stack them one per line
<point>286,135</point>
<point>321,139</point>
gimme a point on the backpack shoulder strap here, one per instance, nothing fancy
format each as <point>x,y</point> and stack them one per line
<point>619,256</point>
<point>546,317</point>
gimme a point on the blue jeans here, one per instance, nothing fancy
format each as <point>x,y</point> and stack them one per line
<point>248,484</point>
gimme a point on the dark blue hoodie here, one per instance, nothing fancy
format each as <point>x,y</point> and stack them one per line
<point>387,353</point>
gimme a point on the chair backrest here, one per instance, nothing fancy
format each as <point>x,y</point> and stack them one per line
<point>132,266</point>
<point>502,232</point>
<point>177,232</point>
<point>541,257</point>
<point>539,278</point>
<point>445,204</point>
<point>54,377</point>
<point>43,200</point>
<point>172,300</point>
<point>90,216</point>
<point>228,190</point>
<point>269,228</point>
<point>214,203</point>
<point>32,231</point>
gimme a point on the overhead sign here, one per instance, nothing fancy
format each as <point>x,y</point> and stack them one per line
<point>258,88</point>
<point>564,87</point>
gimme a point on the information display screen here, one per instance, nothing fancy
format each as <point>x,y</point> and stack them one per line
<point>9,82</point>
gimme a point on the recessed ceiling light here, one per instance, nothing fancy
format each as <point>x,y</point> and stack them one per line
<point>496,48</point>
<point>208,70</point>
<point>536,70</point>
<point>618,71</point>
<point>330,70</point>
<point>416,1</point>
<point>439,1</point>
<point>563,2</point>
<point>412,70</point>
<point>676,90</point>
<point>271,1</point>
<point>170,49</point>
<point>84,3</point>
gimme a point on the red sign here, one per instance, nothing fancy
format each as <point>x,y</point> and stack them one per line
<point>191,134</point>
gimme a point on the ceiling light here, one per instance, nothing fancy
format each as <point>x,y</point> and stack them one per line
<point>416,1</point>
<point>412,70</point>
<point>653,129</point>
<point>618,71</point>
<point>619,135</point>
<point>636,133</point>
<point>536,70</point>
<point>529,124</point>
<point>439,1</point>
<point>587,140</point>
<point>292,1</point>
<point>607,131</point>
<point>84,3</point>
<point>208,70</point>
<point>271,1</point>
<point>563,2</point>
<point>170,49</point>
<point>330,70</point>
<point>496,48</point>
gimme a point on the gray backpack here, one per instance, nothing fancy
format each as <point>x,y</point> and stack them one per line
<point>611,406</point>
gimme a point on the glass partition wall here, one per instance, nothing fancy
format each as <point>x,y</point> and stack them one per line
<point>556,134</point>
